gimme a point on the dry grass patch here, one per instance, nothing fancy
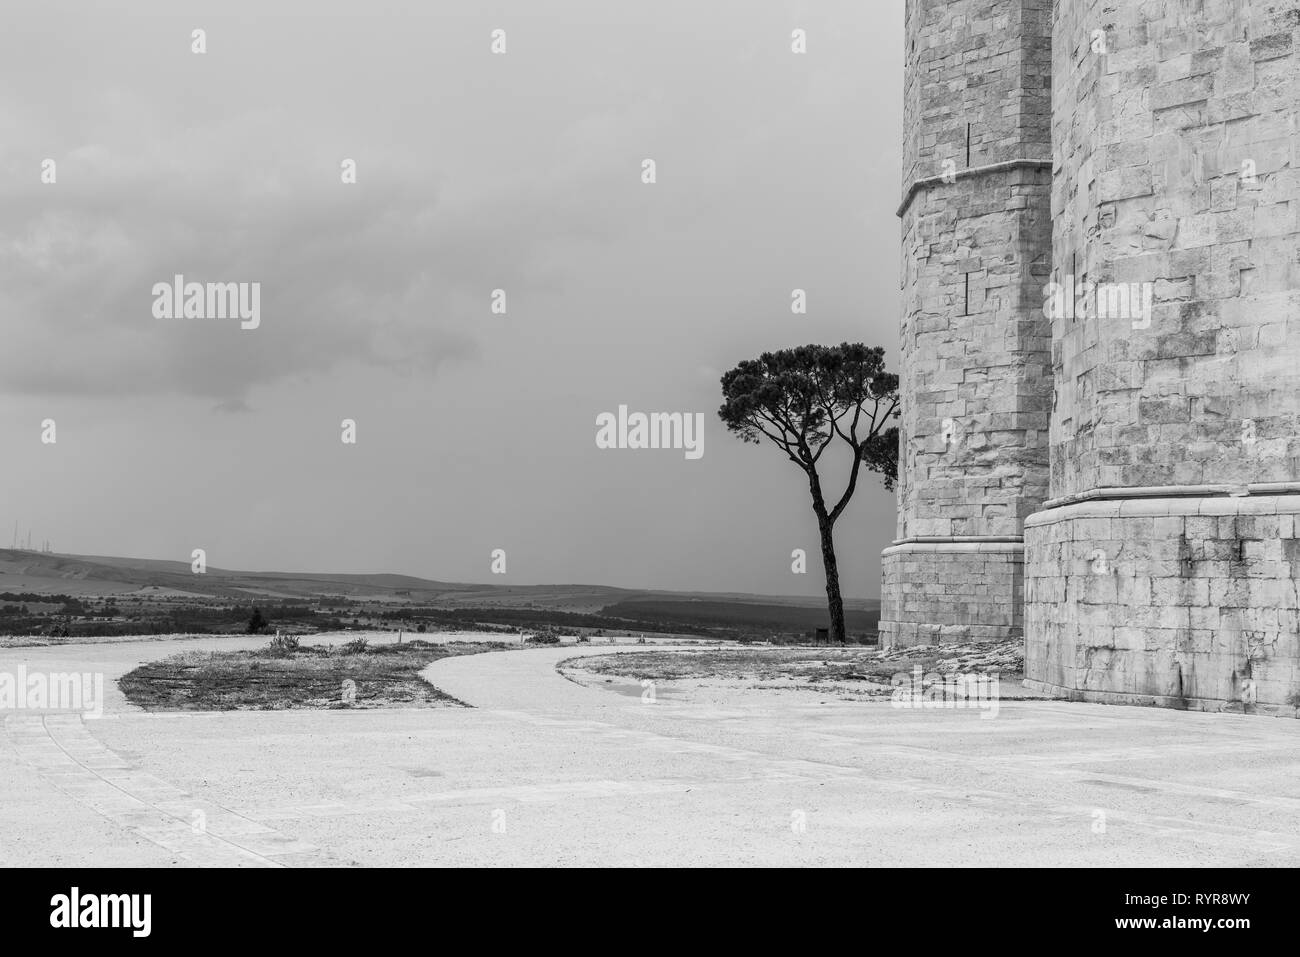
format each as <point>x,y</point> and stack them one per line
<point>858,671</point>
<point>288,676</point>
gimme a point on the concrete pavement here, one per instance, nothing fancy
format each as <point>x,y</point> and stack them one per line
<point>544,771</point>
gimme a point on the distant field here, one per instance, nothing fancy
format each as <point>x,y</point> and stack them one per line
<point>727,614</point>
<point>71,596</point>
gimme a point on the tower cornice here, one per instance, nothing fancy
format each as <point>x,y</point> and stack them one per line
<point>999,167</point>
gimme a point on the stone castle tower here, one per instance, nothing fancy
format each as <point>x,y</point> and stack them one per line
<point>1161,564</point>
<point>976,346</point>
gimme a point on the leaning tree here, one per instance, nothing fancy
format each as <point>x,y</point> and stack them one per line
<point>802,400</point>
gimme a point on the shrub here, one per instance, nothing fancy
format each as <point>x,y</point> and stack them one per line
<point>356,646</point>
<point>284,644</point>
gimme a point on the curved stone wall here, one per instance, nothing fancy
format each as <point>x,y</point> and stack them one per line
<point>1182,602</point>
<point>1177,181</point>
<point>1162,569</point>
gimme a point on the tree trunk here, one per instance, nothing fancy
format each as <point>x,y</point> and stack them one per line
<point>834,601</point>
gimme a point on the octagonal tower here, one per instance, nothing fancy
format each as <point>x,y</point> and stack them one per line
<point>975,356</point>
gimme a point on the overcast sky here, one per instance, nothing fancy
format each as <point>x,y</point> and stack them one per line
<point>475,171</point>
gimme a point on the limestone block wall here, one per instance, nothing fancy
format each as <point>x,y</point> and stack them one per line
<point>1175,432</point>
<point>1178,169</point>
<point>978,74</point>
<point>975,356</point>
<point>975,344</point>
<point>1187,603</point>
<point>952,592</point>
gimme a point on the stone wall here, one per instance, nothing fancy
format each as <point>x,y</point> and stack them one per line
<point>978,71</point>
<point>974,418</point>
<point>975,357</point>
<point>1162,568</point>
<point>1187,602</point>
<point>951,593</point>
<point>1178,170</point>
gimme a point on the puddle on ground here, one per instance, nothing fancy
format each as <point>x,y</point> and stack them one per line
<point>633,690</point>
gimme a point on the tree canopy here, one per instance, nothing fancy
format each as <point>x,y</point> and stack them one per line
<point>802,399</point>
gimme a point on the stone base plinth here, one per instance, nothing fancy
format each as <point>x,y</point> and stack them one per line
<point>1185,602</point>
<point>949,591</point>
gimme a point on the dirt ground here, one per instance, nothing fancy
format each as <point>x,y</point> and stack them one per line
<point>841,673</point>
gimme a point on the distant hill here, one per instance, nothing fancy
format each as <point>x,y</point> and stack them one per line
<point>83,576</point>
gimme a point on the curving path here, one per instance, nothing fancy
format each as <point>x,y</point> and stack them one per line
<point>1044,782</point>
